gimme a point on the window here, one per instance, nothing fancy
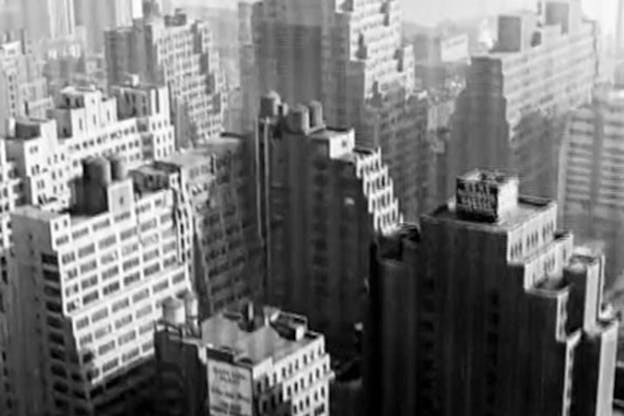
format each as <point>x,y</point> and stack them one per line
<point>107,274</point>
<point>132,278</point>
<point>140,295</point>
<point>161,286</point>
<point>147,309</point>
<point>91,297</point>
<point>49,259</point>
<point>89,283</point>
<point>121,304</point>
<point>87,250</point>
<point>123,321</point>
<point>82,322</point>
<point>68,257</point>
<point>107,242</point>
<point>112,288</point>
<point>128,264</point>
<point>106,347</point>
<point>124,339</point>
<point>154,268</point>
<point>103,331</point>
<point>99,315</point>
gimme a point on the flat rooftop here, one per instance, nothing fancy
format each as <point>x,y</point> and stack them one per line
<point>527,208</point>
<point>258,345</point>
<point>36,213</point>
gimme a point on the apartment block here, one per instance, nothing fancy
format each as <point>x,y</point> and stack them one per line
<point>216,179</point>
<point>217,367</point>
<point>590,173</point>
<point>41,158</point>
<point>87,284</point>
<point>487,308</point>
<point>180,54</point>
<point>350,57</point>
<point>512,113</point>
<point>323,199</point>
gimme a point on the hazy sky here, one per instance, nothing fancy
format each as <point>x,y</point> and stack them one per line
<point>431,12</point>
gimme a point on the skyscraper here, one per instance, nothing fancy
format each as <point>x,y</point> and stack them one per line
<point>48,19</point>
<point>325,199</point>
<point>180,54</point>
<point>489,309</point>
<point>98,16</point>
<point>87,284</point>
<point>512,112</point>
<point>590,191</point>
<point>351,58</point>
<point>23,89</point>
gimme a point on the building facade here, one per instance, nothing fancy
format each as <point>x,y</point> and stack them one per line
<point>217,368</point>
<point>511,115</point>
<point>90,282</point>
<point>351,58</point>
<point>228,254</point>
<point>323,200</point>
<point>591,168</point>
<point>48,19</point>
<point>491,309</point>
<point>180,54</point>
<point>41,158</point>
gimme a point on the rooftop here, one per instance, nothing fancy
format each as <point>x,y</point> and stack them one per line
<point>36,213</point>
<point>257,345</point>
<point>527,208</point>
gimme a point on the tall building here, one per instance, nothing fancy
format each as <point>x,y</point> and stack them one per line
<point>87,285</point>
<point>260,363</point>
<point>512,113</point>
<point>98,16</point>
<point>227,248</point>
<point>40,158</point>
<point>351,58</point>
<point>23,89</point>
<point>48,19</point>
<point>247,64</point>
<point>323,200</point>
<point>180,54</point>
<point>488,309</point>
<point>592,162</point>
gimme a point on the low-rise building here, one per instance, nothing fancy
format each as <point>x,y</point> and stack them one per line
<point>266,363</point>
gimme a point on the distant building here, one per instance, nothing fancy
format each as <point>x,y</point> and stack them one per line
<point>512,113</point>
<point>592,164</point>
<point>323,201</point>
<point>440,58</point>
<point>99,16</point>
<point>23,89</point>
<point>350,57</point>
<point>488,309</point>
<point>48,19</point>
<point>180,54</point>
<point>265,363</point>
<point>217,181</point>
<point>88,283</point>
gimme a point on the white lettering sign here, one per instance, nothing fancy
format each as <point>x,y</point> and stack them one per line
<point>230,389</point>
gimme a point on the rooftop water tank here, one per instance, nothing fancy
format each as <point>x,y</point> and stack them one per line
<point>316,114</point>
<point>97,171</point>
<point>119,169</point>
<point>299,119</point>
<point>269,104</point>
<point>173,311</point>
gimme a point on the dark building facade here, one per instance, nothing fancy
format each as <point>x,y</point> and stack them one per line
<point>488,310</point>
